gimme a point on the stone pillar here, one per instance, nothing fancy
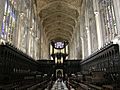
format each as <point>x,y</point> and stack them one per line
<point>75,48</point>
<point>83,53</point>
<point>117,13</point>
<point>72,49</point>
<point>30,45</point>
<point>75,45</point>
<point>98,23</point>
<point>34,43</point>
<point>89,40</point>
<point>87,15</point>
<point>39,37</point>
<point>42,42</point>
<point>82,24</point>
<point>85,44</point>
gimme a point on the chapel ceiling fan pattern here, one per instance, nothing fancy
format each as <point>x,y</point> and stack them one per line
<point>59,17</point>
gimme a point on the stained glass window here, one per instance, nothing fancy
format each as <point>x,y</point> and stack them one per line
<point>9,21</point>
<point>108,18</point>
<point>59,45</point>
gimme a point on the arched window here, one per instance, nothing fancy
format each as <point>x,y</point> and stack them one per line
<point>9,20</point>
<point>108,19</point>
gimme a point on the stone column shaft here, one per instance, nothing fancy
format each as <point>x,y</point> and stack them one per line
<point>98,23</point>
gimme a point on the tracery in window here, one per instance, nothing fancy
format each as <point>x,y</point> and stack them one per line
<point>108,19</point>
<point>9,20</point>
<point>59,45</point>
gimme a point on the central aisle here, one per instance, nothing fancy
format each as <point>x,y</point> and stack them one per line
<point>59,85</point>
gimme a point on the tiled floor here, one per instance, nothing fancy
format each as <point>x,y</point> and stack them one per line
<point>59,85</point>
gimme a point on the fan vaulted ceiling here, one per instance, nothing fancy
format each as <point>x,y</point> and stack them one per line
<point>59,17</point>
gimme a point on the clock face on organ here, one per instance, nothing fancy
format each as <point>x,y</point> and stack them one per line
<point>59,45</point>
